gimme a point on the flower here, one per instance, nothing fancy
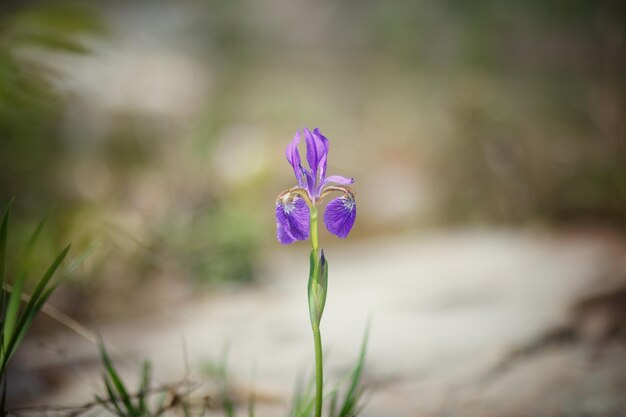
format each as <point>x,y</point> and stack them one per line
<point>293,206</point>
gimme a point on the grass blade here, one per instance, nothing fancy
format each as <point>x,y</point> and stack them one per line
<point>303,399</point>
<point>251,400</point>
<point>3,382</point>
<point>117,381</point>
<point>21,330</point>
<point>80,258</point>
<point>32,308</point>
<point>43,282</point>
<point>143,388</point>
<point>4,228</point>
<point>333,404</point>
<point>112,396</point>
<point>354,393</point>
<point>13,308</point>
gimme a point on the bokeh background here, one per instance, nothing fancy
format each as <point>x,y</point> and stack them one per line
<point>152,135</point>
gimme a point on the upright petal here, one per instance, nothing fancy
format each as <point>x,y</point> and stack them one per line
<point>292,219</point>
<point>308,182</point>
<point>340,215</point>
<point>316,150</point>
<point>293,157</point>
<point>321,166</point>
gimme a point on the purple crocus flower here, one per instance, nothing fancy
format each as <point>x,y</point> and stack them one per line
<point>293,206</point>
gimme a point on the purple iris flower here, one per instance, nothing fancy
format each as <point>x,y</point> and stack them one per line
<point>293,206</point>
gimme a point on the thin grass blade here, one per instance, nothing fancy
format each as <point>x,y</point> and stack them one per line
<point>4,228</point>
<point>43,282</point>
<point>332,409</point>
<point>146,372</point>
<point>112,396</point>
<point>251,406</point>
<point>13,307</point>
<point>353,394</point>
<point>3,381</point>
<point>30,311</point>
<point>12,311</point>
<point>303,401</point>
<point>21,330</point>
<point>116,380</point>
<point>80,258</point>
<point>32,308</point>
<point>105,404</point>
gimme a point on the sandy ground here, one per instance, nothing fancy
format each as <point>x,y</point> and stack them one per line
<point>474,323</point>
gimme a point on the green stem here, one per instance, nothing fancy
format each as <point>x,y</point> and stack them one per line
<point>319,372</point>
<point>315,323</point>
<point>314,229</point>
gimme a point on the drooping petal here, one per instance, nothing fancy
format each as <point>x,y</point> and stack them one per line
<point>338,179</point>
<point>340,215</point>
<point>281,232</point>
<point>316,149</point>
<point>292,219</point>
<point>293,157</point>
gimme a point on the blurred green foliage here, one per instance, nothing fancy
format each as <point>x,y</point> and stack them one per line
<point>541,124</point>
<point>47,169</point>
<point>32,147</point>
<point>216,243</point>
<point>535,95</point>
<point>19,304</point>
<point>529,101</point>
<point>31,107</point>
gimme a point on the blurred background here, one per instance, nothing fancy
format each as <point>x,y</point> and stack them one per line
<point>488,143</point>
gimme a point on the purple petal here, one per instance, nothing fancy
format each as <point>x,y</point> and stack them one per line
<point>292,220</point>
<point>310,184</point>
<point>323,160</point>
<point>281,233</point>
<point>338,179</point>
<point>293,157</point>
<point>322,174</point>
<point>340,215</point>
<point>316,150</point>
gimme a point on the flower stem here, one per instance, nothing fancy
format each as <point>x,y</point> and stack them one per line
<point>319,372</point>
<point>314,244</point>
<point>315,321</point>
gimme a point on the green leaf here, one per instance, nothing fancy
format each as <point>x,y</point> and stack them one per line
<point>311,290</point>
<point>323,284</point>
<point>318,282</point>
